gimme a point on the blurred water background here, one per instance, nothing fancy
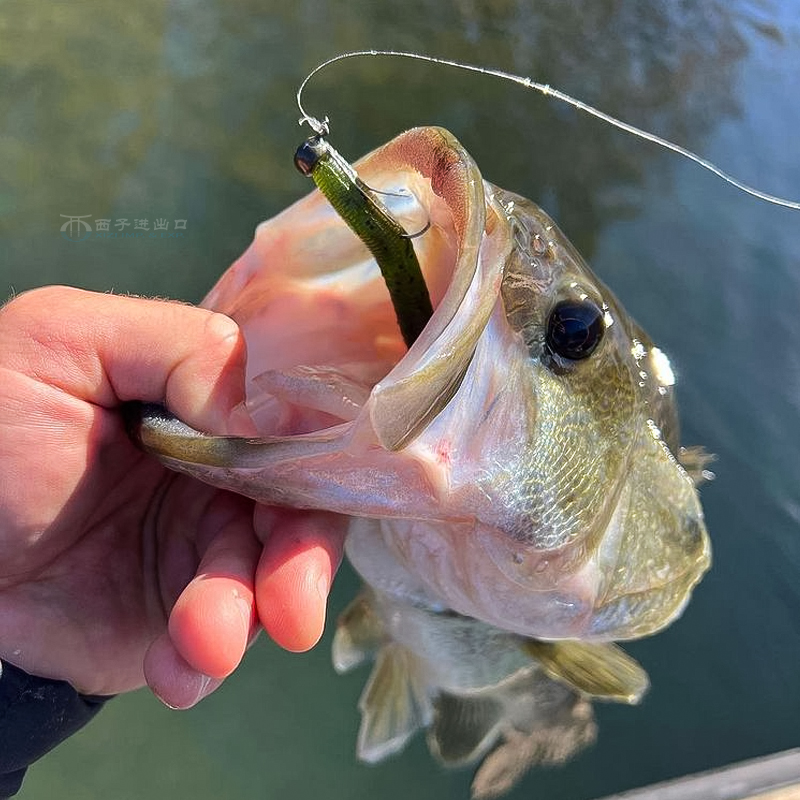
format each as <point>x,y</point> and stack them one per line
<point>184,110</point>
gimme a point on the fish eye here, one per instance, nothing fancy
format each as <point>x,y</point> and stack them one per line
<point>574,329</point>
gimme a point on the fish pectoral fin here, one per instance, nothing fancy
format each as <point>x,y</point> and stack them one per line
<point>394,705</point>
<point>602,671</point>
<point>463,728</point>
<point>359,634</point>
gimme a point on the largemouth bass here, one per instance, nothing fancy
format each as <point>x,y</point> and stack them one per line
<point>519,499</point>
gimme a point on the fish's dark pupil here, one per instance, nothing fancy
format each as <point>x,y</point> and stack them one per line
<point>574,329</point>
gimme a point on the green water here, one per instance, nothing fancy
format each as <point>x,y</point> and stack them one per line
<point>184,111</point>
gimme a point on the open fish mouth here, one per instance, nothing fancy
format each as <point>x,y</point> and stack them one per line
<point>511,471</point>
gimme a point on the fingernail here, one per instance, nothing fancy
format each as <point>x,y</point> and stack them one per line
<point>324,587</point>
<point>203,690</point>
<point>189,692</point>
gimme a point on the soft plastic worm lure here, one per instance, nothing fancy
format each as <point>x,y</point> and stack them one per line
<point>371,221</point>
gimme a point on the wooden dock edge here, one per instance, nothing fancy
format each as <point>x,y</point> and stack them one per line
<point>774,777</point>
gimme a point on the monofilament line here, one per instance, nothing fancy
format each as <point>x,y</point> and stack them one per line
<point>322,127</point>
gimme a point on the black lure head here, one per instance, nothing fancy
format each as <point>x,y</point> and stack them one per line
<point>308,154</point>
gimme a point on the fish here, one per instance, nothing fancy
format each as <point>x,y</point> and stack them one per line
<point>519,502</point>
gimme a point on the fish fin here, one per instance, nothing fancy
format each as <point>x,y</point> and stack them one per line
<point>463,728</point>
<point>558,736</point>
<point>359,634</point>
<point>602,671</point>
<point>525,720</point>
<point>695,460</point>
<point>394,705</point>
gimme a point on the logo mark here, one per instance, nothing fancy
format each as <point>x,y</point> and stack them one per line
<point>75,229</point>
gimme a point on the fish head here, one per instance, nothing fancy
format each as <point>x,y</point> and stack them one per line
<point>546,419</point>
<point>564,445</point>
<point>520,458</point>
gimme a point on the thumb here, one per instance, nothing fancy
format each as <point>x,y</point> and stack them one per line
<point>172,679</point>
<point>107,349</point>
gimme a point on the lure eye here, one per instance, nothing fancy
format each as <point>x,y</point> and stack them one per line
<point>574,329</point>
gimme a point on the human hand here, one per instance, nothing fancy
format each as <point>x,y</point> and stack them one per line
<point>115,571</point>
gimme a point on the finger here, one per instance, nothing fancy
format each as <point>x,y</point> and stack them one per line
<point>301,554</point>
<point>214,617</point>
<point>174,681</point>
<point>106,349</point>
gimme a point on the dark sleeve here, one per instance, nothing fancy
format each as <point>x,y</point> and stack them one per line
<point>36,714</point>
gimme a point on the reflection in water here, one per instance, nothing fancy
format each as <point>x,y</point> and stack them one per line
<point>186,109</point>
<point>69,121</point>
<point>213,82</point>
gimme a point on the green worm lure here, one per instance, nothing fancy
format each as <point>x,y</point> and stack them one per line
<point>371,221</point>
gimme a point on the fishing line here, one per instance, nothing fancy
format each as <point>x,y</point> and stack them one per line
<point>322,127</point>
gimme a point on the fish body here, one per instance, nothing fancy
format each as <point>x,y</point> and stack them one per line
<point>513,478</point>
